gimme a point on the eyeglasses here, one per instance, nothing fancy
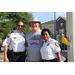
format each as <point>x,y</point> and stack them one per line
<point>20,25</point>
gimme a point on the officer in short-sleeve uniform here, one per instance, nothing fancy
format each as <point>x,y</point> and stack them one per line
<point>16,46</point>
<point>5,40</point>
<point>49,50</point>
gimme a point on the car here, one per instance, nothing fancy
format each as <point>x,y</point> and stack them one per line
<point>1,47</point>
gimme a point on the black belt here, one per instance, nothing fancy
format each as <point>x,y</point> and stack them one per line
<point>53,60</point>
<point>18,53</point>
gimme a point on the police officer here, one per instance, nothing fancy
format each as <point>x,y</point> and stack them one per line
<point>50,51</point>
<point>14,50</point>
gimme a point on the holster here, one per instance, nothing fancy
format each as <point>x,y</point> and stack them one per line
<point>10,53</point>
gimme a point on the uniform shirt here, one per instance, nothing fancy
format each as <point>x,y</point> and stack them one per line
<point>49,49</point>
<point>16,41</point>
<point>34,40</point>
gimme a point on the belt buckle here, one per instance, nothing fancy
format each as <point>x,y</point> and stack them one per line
<point>17,53</point>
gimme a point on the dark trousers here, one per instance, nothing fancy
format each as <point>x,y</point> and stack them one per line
<point>54,60</point>
<point>17,57</point>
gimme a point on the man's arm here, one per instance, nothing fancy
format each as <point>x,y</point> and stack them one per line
<point>5,54</point>
<point>26,45</point>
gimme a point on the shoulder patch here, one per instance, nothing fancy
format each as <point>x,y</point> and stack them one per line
<point>57,44</point>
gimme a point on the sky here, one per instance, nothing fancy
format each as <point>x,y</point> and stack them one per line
<point>42,16</point>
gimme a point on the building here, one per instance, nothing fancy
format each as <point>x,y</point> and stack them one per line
<point>61,25</point>
<point>58,29</point>
<point>48,24</point>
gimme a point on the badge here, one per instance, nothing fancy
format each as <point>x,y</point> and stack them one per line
<point>14,37</point>
<point>48,44</point>
<point>56,43</point>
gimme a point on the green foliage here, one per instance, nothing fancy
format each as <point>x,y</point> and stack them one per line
<point>8,21</point>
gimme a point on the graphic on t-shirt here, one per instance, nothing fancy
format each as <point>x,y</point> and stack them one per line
<point>34,41</point>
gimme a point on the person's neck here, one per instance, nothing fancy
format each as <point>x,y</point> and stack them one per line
<point>35,30</point>
<point>19,31</point>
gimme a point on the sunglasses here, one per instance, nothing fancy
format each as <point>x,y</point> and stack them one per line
<point>20,25</point>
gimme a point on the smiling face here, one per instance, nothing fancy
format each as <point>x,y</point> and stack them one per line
<point>34,26</point>
<point>45,36</point>
<point>20,26</point>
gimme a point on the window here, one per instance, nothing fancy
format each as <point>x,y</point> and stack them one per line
<point>43,26</point>
<point>50,25</point>
<point>61,24</point>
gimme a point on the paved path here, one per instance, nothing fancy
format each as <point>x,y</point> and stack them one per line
<point>1,56</point>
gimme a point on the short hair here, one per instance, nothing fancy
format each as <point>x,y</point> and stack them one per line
<point>49,32</point>
<point>19,21</point>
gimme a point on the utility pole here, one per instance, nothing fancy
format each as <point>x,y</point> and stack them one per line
<point>71,36</point>
<point>54,22</point>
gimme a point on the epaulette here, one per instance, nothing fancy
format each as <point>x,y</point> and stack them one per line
<point>9,35</point>
<point>11,32</point>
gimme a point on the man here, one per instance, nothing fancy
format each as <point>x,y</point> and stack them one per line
<point>34,41</point>
<point>14,50</point>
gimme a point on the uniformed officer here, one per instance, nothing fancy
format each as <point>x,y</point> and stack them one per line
<point>50,51</point>
<point>14,50</point>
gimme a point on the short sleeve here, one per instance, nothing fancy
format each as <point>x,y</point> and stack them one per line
<point>56,47</point>
<point>8,40</point>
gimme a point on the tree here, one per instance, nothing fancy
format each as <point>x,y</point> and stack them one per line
<point>8,21</point>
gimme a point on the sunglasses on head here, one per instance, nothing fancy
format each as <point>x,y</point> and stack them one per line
<point>20,25</point>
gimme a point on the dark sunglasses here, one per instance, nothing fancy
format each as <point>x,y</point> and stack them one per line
<point>20,25</point>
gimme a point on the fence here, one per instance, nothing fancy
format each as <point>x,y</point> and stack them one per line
<point>59,39</point>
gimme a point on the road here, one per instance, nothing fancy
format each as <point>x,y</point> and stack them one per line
<point>1,56</point>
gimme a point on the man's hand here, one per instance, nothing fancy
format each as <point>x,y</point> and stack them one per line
<point>5,54</point>
<point>6,59</point>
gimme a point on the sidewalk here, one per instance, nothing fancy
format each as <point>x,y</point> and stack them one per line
<point>64,53</point>
<point>1,56</point>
